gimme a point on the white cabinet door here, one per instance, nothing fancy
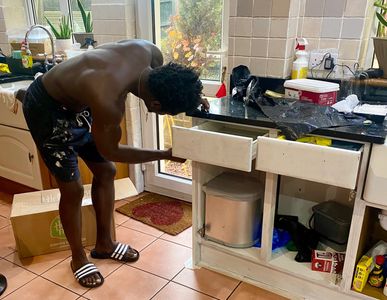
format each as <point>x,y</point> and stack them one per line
<point>19,157</point>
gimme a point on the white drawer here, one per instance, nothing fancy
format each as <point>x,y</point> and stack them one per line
<point>219,144</point>
<point>329,165</point>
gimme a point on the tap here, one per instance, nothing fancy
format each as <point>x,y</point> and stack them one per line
<point>51,39</point>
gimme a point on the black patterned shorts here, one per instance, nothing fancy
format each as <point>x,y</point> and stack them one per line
<point>60,134</point>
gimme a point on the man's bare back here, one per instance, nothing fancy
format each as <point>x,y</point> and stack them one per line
<point>110,72</point>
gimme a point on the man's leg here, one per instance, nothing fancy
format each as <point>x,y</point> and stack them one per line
<point>71,218</point>
<point>103,202</point>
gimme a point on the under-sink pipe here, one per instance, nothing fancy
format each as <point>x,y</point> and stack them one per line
<point>383,219</point>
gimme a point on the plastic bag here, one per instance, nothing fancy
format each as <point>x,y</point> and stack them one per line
<point>297,118</point>
<point>280,238</point>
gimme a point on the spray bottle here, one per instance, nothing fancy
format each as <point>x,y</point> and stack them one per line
<point>300,65</point>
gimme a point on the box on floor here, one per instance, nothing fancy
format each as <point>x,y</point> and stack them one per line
<point>36,222</point>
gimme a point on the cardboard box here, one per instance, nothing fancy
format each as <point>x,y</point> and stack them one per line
<point>35,48</point>
<point>36,223</point>
<point>327,261</point>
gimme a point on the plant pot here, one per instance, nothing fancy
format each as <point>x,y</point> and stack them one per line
<point>62,45</point>
<point>80,37</point>
<point>380,46</point>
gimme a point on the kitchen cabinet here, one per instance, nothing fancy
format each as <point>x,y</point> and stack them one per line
<point>19,158</point>
<point>219,146</point>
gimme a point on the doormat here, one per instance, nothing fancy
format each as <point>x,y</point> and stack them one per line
<point>167,214</point>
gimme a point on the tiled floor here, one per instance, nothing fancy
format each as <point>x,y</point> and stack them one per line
<point>159,274</point>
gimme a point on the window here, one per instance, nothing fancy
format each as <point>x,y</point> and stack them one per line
<point>54,9</point>
<point>192,33</point>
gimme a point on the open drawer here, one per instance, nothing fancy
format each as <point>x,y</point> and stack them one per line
<point>337,165</point>
<point>220,144</point>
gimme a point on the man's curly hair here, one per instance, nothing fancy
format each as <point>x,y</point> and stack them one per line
<point>177,87</point>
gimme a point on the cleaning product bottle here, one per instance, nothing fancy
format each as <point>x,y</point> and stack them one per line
<point>300,65</point>
<point>376,277</point>
<point>26,55</point>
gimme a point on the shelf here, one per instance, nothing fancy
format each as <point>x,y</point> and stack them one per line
<point>373,292</point>
<point>253,253</point>
<point>284,259</point>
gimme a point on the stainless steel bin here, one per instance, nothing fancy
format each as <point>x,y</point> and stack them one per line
<point>233,210</point>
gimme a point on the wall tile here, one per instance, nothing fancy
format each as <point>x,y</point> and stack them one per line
<point>279,27</point>
<point>262,8</point>
<point>329,43</point>
<point>108,12</point>
<point>258,66</point>
<point>277,48</point>
<point>245,8</point>
<point>3,27</point>
<point>294,8</point>
<point>288,67</point>
<point>242,46</point>
<point>241,60</point>
<point>312,44</point>
<point>261,27</point>
<point>311,27</point>
<point>314,8</point>
<point>275,67</point>
<point>231,26</point>
<point>292,27</point>
<point>113,27</point>
<point>355,8</point>
<point>349,49</point>
<point>230,63</point>
<point>290,48</point>
<point>280,8</point>
<point>331,27</point>
<point>231,46</point>
<point>334,8</point>
<point>259,47</point>
<point>243,27</point>
<point>300,26</point>
<point>233,8</point>
<point>352,28</point>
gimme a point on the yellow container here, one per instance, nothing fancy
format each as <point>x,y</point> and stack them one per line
<point>363,270</point>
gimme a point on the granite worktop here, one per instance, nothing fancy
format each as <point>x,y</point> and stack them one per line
<point>228,110</point>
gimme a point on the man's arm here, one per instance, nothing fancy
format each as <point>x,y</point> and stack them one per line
<point>106,132</point>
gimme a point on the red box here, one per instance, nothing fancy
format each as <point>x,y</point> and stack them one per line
<point>327,261</point>
<point>316,91</point>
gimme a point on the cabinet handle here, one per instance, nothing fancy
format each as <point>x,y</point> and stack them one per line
<point>30,157</point>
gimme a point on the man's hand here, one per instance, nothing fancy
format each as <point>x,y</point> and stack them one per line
<point>170,157</point>
<point>205,105</point>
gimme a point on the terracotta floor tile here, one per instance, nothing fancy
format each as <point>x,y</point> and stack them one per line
<point>5,210</point>
<point>41,263</point>
<point>163,258</point>
<point>249,292</point>
<point>16,276</point>
<point>139,226</point>
<point>207,282</point>
<point>41,288</point>
<point>118,217</point>
<point>5,198</point>
<point>7,244</point>
<point>174,291</point>
<point>183,238</point>
<point>127,283</point>
<point>61,274</point>
<point>4,222</point>
<point>135,239</point>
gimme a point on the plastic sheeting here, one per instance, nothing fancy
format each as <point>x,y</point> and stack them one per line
<point>298,118</point>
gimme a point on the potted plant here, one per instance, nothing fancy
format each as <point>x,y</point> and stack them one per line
<point>63,35</point>
<point>380,41</point>
<point>84,37</point>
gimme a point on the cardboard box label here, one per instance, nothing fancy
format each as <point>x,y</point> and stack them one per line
<point>56,229</point>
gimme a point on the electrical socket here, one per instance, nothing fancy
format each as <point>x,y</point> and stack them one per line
<point>315,59</point>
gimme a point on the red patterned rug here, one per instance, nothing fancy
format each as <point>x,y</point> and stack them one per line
<point>167,214</point>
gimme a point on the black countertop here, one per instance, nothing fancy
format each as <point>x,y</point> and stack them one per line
<point>228,110</point>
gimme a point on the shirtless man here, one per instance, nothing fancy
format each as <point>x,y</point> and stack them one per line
<point>76,109</point>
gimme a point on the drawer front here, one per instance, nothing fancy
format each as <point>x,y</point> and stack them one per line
<point>220,149</point>
<point>19,157</point>
<point>333,166</point>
